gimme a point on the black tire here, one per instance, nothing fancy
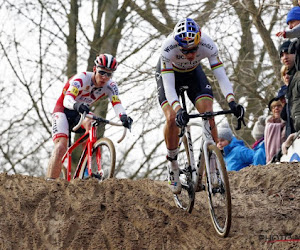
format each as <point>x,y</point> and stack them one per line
<point>220,198</point>
<point>108,160</point>
<point>185,200</point>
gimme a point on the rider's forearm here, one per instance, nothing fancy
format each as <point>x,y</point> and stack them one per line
<point>117,105</point>
<point>224,83</point>
<point>119,109</point>
<point>69,102</point>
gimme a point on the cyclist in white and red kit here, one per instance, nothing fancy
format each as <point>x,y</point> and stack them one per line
<point>78,94</point>
<point>179,65</point>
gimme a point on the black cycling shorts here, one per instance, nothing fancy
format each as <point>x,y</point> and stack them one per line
<point>196,81</point>
<point>73,118</point>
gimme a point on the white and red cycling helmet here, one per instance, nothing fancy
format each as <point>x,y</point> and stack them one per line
<point>106,61</point>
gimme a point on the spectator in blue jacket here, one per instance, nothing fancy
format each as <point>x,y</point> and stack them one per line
<point>236,154</point>
<point>259,144</point>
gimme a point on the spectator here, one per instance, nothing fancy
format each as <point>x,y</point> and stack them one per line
<point>236,154</point>
<point>289,141</point>
<point>259,157</point>
<point>293,92</point>
<point>285,112</point>
<point>287,57</point>
<point>293,20</point>
<point>274,130</point>
<point>281,94</point>
<point>282,97</point>
<point>293,97</point>
<point>284,76</point>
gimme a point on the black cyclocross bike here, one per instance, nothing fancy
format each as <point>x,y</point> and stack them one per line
<point>208,174</point>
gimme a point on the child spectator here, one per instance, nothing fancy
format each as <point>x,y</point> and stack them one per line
<point>259,157</point>
<point>293,20</point>
<point>236,154</point>
<point>274,130</point>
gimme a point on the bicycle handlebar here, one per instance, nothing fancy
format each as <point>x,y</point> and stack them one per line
<point>82,116</point>
<point>222,112</point>
<point>240,119</point>
<point>100,120</point>
<point>210,114</point>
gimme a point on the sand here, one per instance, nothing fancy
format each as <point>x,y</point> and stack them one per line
<point>140,214</point>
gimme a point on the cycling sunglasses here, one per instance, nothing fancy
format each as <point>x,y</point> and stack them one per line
<point>102,72</point>
<point>188,51</point>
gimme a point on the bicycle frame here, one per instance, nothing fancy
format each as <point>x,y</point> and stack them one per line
<point>211,164</point>
<point>89,138</point>
<point>205,140</point>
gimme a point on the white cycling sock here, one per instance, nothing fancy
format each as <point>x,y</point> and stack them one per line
<point>172,153</point>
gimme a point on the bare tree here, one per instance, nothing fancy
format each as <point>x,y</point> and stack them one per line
<point>43,43</point>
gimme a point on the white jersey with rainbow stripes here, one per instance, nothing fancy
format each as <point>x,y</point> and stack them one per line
<point>173,60</point>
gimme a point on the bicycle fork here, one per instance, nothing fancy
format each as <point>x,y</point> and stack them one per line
<point>193,166</point>
<point>207,140</point>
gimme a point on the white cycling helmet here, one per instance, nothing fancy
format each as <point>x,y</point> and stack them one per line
<point>187,33</point>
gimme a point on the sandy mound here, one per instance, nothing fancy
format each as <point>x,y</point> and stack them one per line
<point>125,214</point>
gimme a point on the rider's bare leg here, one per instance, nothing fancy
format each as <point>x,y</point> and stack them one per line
<point>55,165</point>
<point>171,131</point>
<point>205,105</point>
<point>60,148</point>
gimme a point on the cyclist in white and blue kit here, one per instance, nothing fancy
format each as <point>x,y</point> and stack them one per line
<point>179,64</point>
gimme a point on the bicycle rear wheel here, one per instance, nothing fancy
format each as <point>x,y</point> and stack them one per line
<point>219,196</point>
<point>103,160</point>
<point>185,200</point>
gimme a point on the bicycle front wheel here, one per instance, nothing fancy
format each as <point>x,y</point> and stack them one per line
<point>218,192</point>
<point>185,200</point>
<point>103,160</point>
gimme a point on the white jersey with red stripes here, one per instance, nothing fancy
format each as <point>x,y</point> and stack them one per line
<point>172,60</point>
<point>80,88</point>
